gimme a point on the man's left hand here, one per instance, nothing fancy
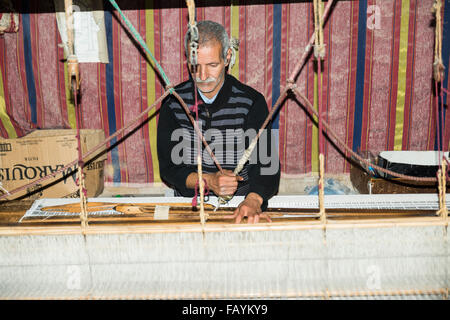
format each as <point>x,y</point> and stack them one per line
<point>250,208</point>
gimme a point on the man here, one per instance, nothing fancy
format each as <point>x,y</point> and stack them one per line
<point>228,112</point>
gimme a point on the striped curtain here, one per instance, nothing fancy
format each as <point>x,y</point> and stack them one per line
<point>377,76</point>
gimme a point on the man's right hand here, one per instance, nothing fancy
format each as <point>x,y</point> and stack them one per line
<point>223,184</point>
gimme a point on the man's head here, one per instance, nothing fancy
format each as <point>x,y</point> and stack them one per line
<point>213,56</point>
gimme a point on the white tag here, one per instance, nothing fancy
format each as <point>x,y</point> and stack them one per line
<point>161,213</point>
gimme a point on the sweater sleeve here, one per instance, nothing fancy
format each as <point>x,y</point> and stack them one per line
<point>172,171</point>
<point>264,175</point>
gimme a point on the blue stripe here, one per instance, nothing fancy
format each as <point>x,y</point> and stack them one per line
<point>360,69</point>
<point>445,58</point>
<point>446,45</point>
<point>110,96</point>
<point>276,61</point>
<point>29,61</point>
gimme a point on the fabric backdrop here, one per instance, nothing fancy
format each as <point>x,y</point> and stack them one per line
<point>378,89</point>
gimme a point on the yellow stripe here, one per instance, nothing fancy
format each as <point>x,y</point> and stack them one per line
<point>3,114</point>
<point>235,34</point>
<point>315,130</point>
<point>401,89</point>
<point>149,32</point>
<point>69,100</point>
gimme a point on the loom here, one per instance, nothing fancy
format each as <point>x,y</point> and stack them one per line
<point>334,247</point>
<point>371,246</point>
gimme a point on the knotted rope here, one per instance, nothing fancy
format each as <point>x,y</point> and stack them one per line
<point>74,74</point>
<point>438,75</point>
<point>438,65</point>
<point>319,47</point>
<point>193,47</point>
<point>319,53</point>
<point>442,179</point>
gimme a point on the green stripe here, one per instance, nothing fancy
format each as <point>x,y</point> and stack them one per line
<point>6,120</point>
<point>69,101</point>
<point>151,93</point>
<point>401,88</point>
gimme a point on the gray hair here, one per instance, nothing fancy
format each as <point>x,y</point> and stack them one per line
<point>213,31</point>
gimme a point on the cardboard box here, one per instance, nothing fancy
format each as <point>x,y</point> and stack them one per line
<point>27,159</point>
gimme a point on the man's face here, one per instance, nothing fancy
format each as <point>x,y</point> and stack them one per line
<point>210,68</point>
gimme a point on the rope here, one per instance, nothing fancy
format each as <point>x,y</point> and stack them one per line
<point>88,154</point>
<point>290,86</point>
<point>319,47</point>
<point>442,179</point>
<point>197,130</point>
<point>83,198</point>
<point>144,45</point>
<point>438,66</point>
<point>310,109</point>
<point>169,89</point>
<point>69,28</point>
<point>319,53</point>
<point>283,94</point>
<point>193,36</point>
<point>323,216</point>
<point>438,75</point>
<point>80,175</point>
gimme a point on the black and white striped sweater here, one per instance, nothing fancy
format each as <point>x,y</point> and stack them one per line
<point>228,124</point>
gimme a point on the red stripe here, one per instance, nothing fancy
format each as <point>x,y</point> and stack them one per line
<point>48,64</point>
<point>130,84</point>
<point>91,118</point>
<point>338,57</point>
<point>131,102</point>
<point>226,18</point>
<point>381,68</point>
<point>170,52</point>
<point>421,131</point>
<point>184,21</point>
<point>157,53</point>
<point>6,91</point>
<point>309,68</point>
<point>325,82</point>
<point>294,125</point>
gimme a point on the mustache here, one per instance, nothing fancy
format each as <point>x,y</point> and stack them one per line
<point>208,80</point>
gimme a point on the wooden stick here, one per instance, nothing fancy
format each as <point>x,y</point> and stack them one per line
<point>224,227</point>
<point>69,25</point>
<point>310,294</point>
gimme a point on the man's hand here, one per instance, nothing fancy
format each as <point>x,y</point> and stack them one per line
<point>250,208</point>
<point>223,184</point>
